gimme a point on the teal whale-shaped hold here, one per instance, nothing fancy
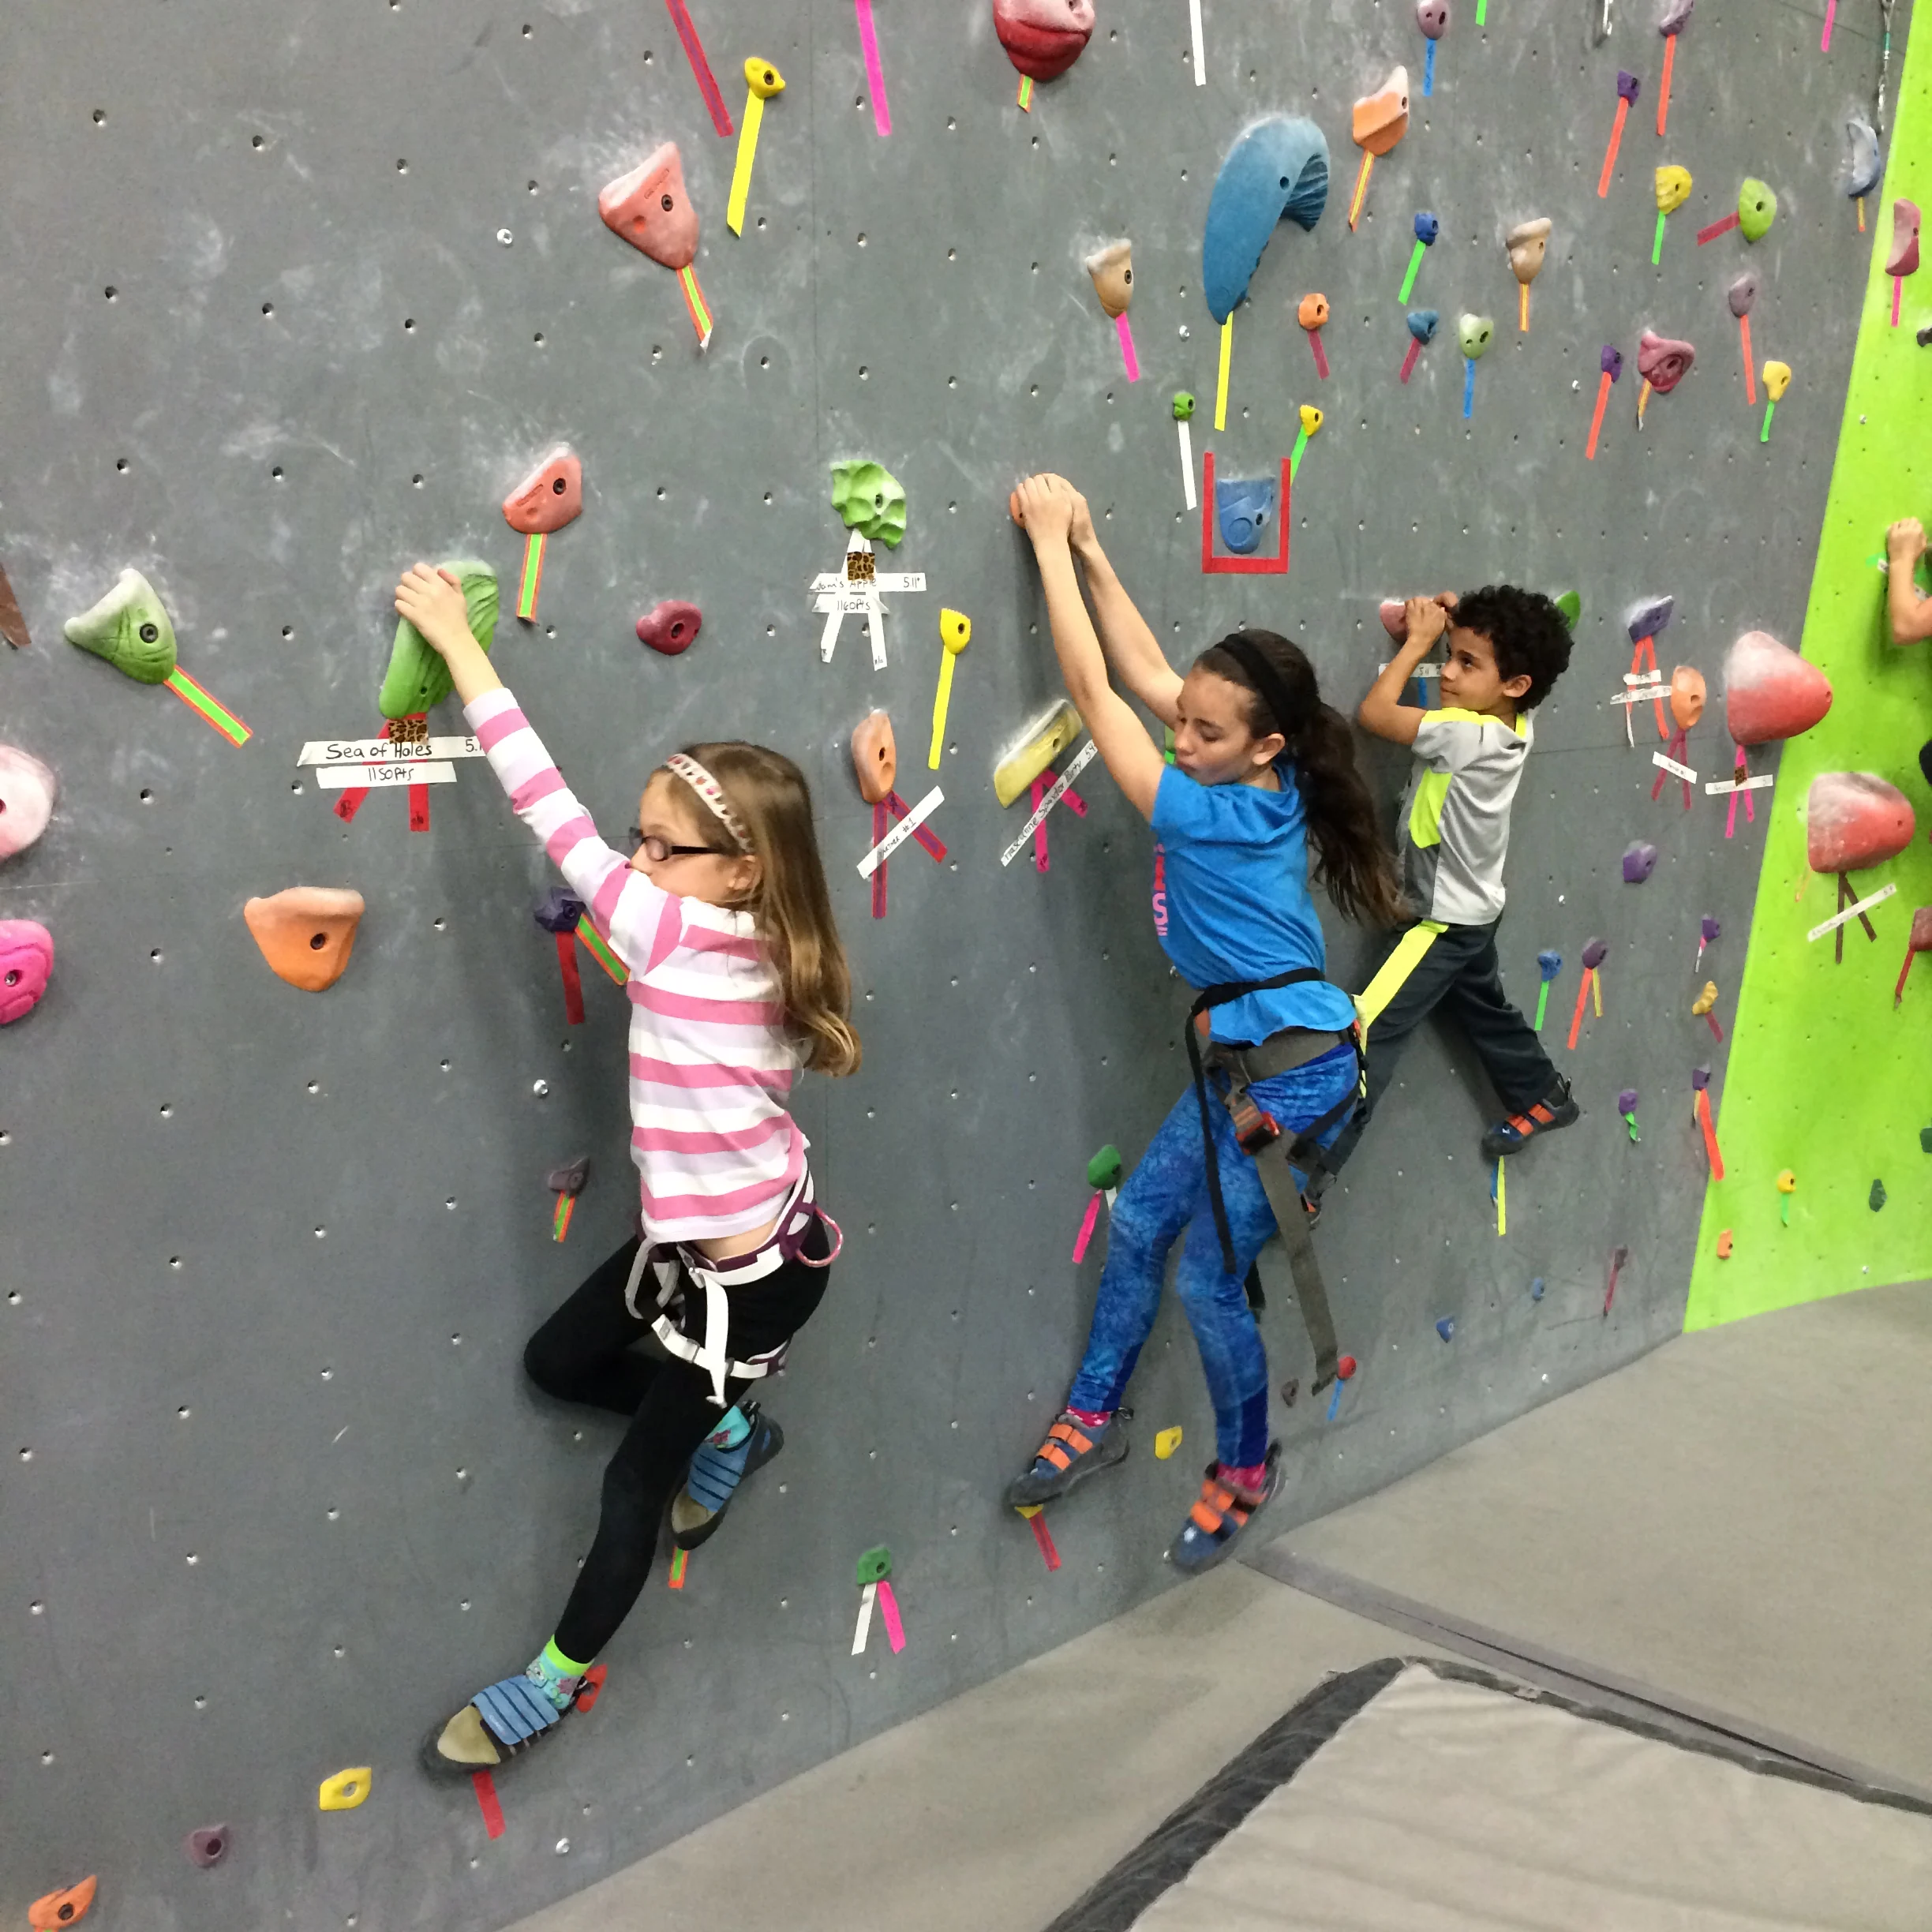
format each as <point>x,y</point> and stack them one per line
<point>1277,171</point>
<point>1242,509</point>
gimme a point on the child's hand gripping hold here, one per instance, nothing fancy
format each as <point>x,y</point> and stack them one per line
<point>432,600</point>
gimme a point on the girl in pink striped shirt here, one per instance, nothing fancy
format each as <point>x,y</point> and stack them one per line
<point>738,981</point>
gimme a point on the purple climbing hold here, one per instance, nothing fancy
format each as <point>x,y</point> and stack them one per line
<point>559,911</point>
<point>1676,17</point>
<point>1626,1101</point>
<point>1700,1078</point>
<point>569,1179</point>
<point>1707,929</point>
<point>208,1846</point>
<point>1639,862</point>
<point>1629,87</point>
<point>1648,619</point>
<point>1594,954</point>
<point>1610,360</point>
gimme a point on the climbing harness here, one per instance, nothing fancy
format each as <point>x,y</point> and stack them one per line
<point>1257,1131</point>
<point>683,1274</point>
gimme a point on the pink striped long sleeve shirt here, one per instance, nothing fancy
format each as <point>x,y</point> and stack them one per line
<point>711,1063</point>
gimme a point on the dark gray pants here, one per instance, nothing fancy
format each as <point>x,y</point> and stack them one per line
<point>1458,976</point>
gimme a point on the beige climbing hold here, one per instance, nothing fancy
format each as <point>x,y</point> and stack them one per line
<point>1042,743</point>
<point>875,757</point>
<point>306,934</point>
<point>464,1740</point>
<point>1112,270</point>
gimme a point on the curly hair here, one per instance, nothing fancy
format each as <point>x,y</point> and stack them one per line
<point>1351,861</point>
<point>1527,630</point>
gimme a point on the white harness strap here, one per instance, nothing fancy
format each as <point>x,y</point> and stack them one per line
<point>674,1266</point>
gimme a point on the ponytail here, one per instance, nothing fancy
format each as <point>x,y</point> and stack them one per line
<point>1351,862</point>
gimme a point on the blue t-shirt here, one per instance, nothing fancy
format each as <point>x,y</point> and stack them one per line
<point>1231,902</point>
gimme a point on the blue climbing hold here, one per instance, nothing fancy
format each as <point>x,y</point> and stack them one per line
<point>1549,964</point>
<point>1277,171</point>
<point>1243,508</point>
<point>1446,1328</point>
<point>1427,228</point>
<point>1536,1289</point>
<point>1422,324</point>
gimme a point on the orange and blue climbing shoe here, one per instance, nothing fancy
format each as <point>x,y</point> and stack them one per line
<point>1220,1514</point>
<point>1557,1108</point>
<point>1073,1450</point>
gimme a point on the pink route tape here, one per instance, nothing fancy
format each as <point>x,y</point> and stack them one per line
<point>875,74</point>
<point>889,1609</point>
<point>1125,334</point>
<point>700,68</point>
<point>1088,1222</point>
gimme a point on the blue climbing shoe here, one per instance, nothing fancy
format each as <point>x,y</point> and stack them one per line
<point>502,1723</point>
<point>1220,1515</point>
<point>716,1472</point>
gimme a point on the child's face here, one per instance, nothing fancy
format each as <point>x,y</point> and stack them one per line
<point>1470,680</point>
<point>668,813</point>
<point>1212,743</point>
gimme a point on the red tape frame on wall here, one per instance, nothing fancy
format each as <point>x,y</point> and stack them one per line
<point>1241,565</point>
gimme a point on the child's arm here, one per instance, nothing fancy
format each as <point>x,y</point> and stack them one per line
<point>623,903</point>
<point>1382,711</point>
<point>1129,645</point>
<point>1043,506</point>
<point>1911,614</point>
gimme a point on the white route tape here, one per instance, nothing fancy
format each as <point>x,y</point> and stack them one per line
<point>1675,770</point>
<point>1053,798</point>
<point>384,751</point>
<point>1852,912</point>
<point>353,777</point>
<point>901,832</point>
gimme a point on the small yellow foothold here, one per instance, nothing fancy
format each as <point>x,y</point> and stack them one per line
<point>765,80</point>
<point>1673,189</point>
<point>1705,1000</point>
<point>1312,419</point>
<point>1787,1182</point>
<point>955,630</point>
<point>346,1789</point>
<point>1167,1443</point>
<point>1029,1510</point>
<point>1777,380</point>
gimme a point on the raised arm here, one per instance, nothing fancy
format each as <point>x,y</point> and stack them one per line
<point>623,903</point>
<point>1911,614</point>
<point>1383,711</point>
<point>1043,506</point>
<point>1129,645</point>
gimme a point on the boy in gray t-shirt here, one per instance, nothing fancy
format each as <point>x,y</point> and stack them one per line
<point>1507,648</point>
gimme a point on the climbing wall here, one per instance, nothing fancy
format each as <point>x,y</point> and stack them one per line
<point>300,295</point>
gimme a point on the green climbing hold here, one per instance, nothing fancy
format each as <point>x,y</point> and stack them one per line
<point>130,628</point>
<point>871,500</point>
<point>1183,404</point>
<point>1877,1198</point>
<point>875,1565</point>
<point>418,680</point>
<point>1924,1139</point>
<point>1756,209</point>
<point>1103,1171</point>
<point>1571,606</point>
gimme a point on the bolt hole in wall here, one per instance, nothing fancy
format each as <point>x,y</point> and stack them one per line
<point>339,1233</point>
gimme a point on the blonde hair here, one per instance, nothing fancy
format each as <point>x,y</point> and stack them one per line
<point>790,905</point>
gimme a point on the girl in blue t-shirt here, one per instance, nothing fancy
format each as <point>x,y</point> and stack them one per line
<point>1263,769</point>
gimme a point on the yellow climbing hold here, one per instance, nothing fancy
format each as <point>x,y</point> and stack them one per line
<point>1312,419</point>
<point>346,1789</point>
<point>1167,1443</point>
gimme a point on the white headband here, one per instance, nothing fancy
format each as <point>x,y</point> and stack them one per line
<point>713,793</point>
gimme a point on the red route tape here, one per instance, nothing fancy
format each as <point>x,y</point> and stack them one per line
<point>419,807</point>
<point>700,68</point>
<point>487,1803</point>
<point>573,980</point>
<point>1043,1536</point>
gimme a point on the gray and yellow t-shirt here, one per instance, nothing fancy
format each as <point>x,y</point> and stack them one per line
<point>1456,819</point>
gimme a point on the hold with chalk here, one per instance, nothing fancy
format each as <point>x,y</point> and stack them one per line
<point>1111,269</point>
<point>1422,326</point>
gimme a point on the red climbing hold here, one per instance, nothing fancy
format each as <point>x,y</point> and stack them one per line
<point>1853,820</point>
<point>1770,692</point>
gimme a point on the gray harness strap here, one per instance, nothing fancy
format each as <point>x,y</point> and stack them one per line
<point>1285,1201</point>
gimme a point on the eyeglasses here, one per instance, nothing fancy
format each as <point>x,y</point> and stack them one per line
<point>658,850</point>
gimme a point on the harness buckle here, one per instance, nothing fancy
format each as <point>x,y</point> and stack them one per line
<point>1255,1129</point>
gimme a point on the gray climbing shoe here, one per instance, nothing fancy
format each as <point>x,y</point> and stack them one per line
<point>1072,1451</point>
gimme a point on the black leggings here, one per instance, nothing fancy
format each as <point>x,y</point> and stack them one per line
<point>583,1353</point>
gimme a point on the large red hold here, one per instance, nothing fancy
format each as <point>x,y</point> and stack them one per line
<point>1044,38</point>
<point>1853,820</point>
<point>650,209</point>
<point>1770,692</point>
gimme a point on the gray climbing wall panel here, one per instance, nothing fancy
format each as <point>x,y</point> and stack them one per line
<point>278,1497</point>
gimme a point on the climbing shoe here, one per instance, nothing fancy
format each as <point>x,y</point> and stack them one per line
<point>1071,1451</point>
<point>1220,1514</point>
<point>1557,1108</point>
<point>503,1722</point>
<point>715,1473</point>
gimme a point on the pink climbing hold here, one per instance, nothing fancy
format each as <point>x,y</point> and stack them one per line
<point>1854,820</point>
<point>1395,615</point>
<point>27,793</point>
<point>26,965</point>
<point>650,209</point>
<point>669,627</point>
<point>550,496</point>
<point>1663,362</point>
<point>1044,38</point>
<point>1770,692</point>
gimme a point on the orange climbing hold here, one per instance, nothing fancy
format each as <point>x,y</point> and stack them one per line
<point>63,1908</point>
<point>1723,1245</point>
<point>875,757</point>
<point>306,934</point>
